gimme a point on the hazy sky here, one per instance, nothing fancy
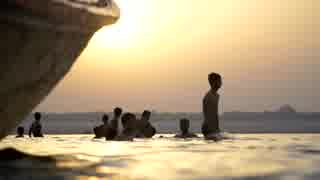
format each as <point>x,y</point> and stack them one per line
<point>159,54</point>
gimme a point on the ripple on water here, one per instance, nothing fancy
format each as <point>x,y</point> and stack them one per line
<point>244,157</point>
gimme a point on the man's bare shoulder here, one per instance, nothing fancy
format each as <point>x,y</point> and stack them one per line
<point>206,96</point>
<point>211,96</point>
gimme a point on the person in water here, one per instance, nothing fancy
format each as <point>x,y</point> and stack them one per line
<point>145,129</point>
<point>36,127</point>
<point>184,128</point>
<point>101,131</point>
<point>20,132</point>
<point>112,131</point>
<point>210,126</point>
<point>130,130</point>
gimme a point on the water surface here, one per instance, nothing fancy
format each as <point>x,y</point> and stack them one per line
<point>243,156</point>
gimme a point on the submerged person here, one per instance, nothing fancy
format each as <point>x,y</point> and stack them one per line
<point>101,131</point>
<point>210,126</point>
<point>184,128</point>
<point>145,129</point>
<point>20,132</point>
<point>36,127</point>
<point>130,131</point>
<point>112,131</point>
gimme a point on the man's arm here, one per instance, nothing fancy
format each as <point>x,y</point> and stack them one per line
<point>204,108</point>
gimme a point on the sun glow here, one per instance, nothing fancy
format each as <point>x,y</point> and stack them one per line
<point>128,30</point>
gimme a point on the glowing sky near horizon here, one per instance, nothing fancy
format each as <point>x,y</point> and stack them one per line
<point>159,54</point>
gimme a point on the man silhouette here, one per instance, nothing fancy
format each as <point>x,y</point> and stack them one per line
<point>130,130</point>
<point>210,105</point>
<point>184,128</point>
<point>36,127</point>
<point>145,129</point>
<point>112,131</point>
<point>101,131</point>
<point>20,131</point>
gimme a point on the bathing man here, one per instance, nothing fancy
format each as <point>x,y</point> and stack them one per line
<point>210,104</point>
<point>36,127</point>
<point>112,131</point>
<point>130,130</point>
<point>101,131</point>
<point>145,129</point>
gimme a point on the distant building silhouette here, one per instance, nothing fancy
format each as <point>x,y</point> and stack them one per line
<point>286,109</point>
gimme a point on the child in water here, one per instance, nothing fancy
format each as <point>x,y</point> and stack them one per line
<point>210,126</point>
<point>184,127</point>
<point>20,132</point>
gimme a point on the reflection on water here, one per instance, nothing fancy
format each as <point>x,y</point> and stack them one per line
<point>254,156</point>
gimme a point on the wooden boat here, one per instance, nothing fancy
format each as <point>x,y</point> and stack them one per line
<point>40,41</point>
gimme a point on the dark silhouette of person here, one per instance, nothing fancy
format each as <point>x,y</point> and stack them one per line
<point>210,104</point>
<point>36,127</point>
<point>145,129</point>
<point>184,128</point>
<point>20,132</point>
<point>112,131</point>
<point>101,131</point>
<point>129,124</point>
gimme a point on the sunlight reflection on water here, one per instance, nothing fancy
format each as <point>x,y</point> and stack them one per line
<point>255,156</point>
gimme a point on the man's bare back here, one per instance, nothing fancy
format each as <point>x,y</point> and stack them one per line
<point>210,106</point>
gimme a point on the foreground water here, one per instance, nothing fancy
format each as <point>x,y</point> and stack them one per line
<point>243,156</point>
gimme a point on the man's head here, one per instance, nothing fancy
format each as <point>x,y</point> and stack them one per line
<point>184,125</point>
<point>37,116</point>
<point>117,112</point>
<point>145,115</point>
<point>128,120</point>
<point>105,118</point>
<point>215,81</point>
<point>20,131</point>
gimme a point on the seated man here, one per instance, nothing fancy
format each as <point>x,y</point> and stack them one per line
<point>210,126</point>
<point>36,127</point>
<point>112,131</point>
<point>184,127</point>
<point>145,129</point>
<point>101,131</point>
<point>130,131</point>
<point>20,132</point>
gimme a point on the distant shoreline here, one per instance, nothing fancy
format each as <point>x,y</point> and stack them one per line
<point>233,122</point>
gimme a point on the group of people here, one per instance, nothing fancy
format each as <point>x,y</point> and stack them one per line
<point>35,129</point>
<point>132,127</point>
<point>142,128</point>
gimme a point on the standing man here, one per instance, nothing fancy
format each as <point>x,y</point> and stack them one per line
<point>210,104</point>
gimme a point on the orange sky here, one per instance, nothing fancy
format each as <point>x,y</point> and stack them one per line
<point>159,54</point>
